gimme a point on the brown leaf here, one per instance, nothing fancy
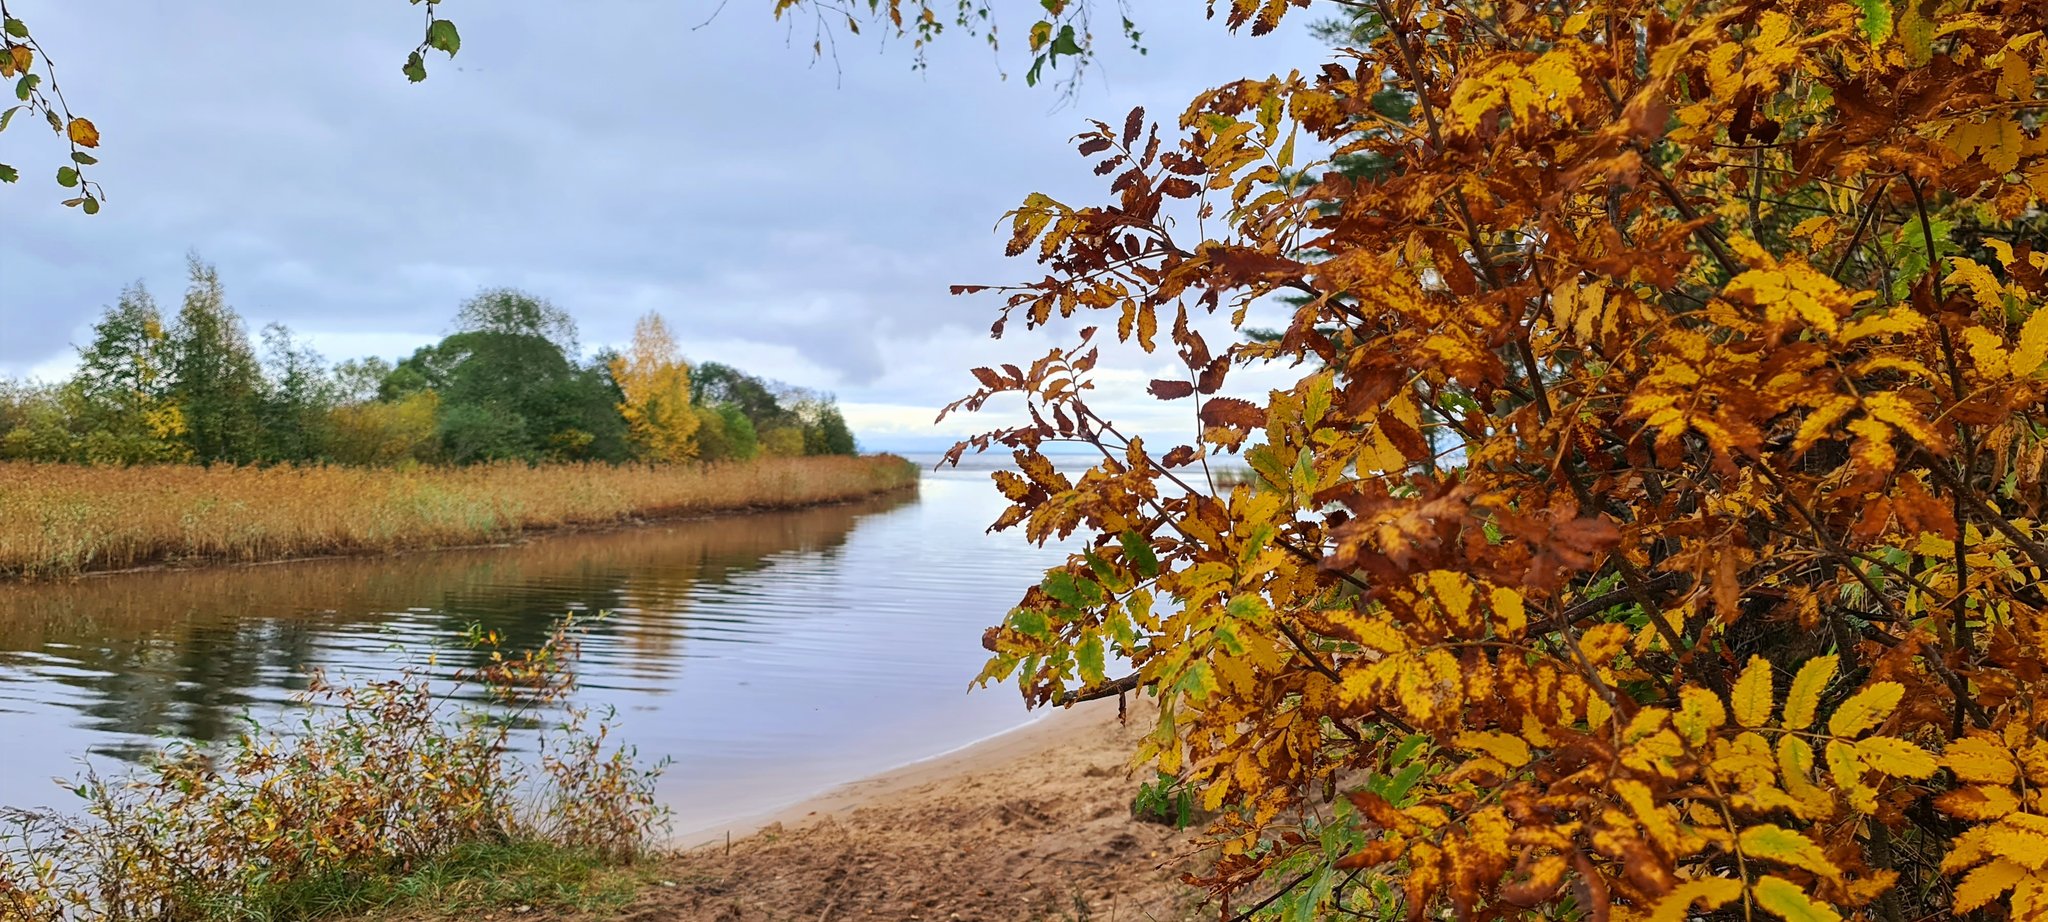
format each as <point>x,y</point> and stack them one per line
<point>1169,389</point>
<point>1233,412</point>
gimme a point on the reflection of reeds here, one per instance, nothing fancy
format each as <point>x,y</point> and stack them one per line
<point>57,520</point>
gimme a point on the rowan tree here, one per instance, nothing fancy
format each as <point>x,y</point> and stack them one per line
<point>1653,528</point>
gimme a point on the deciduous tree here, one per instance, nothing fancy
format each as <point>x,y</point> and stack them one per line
<point>656,383</point>
<point>1654,526</point>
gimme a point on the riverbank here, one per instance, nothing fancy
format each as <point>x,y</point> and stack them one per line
<point>1034,824</point>
<point>63,520</point>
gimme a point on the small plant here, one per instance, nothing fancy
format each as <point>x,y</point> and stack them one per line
<point>1165,800</point>
<point>384,788</point>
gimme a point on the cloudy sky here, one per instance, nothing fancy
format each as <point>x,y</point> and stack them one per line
<point>797,218</point>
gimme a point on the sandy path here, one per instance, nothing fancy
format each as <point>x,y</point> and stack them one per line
<point>1033,824</point>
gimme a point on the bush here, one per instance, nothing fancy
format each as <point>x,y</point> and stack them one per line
<point>381,781</point>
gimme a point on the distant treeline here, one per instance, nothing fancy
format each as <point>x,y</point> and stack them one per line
<point>507,384</point>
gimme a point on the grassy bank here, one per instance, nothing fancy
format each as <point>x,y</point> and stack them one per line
<point>58,519</point>
<point>409,795</point>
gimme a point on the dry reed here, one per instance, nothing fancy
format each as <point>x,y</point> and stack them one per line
<point>57,520</point>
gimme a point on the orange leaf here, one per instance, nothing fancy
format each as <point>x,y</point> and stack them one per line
<point>82,133</point>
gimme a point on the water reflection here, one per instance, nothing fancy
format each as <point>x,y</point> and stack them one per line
<point>769,655</point>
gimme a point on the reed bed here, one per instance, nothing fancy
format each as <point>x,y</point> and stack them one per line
<point>58,520</point>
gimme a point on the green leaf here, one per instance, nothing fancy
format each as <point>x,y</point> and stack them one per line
<point>1410,745</point>
<point>1061,586</point>
<point>7,116</point>
<point>17,28</point>
<point>1089,656</point>
<point>67,177</point>
<point>1915,30</point>
<point>1031,623</point>
<point>1789,901</point>
<point>1138,551</point>
<point>81,157</point>
<point>1198,681</point>
<point>1877,19</point>
<point>415,67</point>
<point>26,85</point>
<point>8,173</point>
<point>1065,43</point>
<point>441,36</point>
<point>92,205</point>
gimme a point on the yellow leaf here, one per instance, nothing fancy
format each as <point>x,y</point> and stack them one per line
<point>1980,757</point>
<point>1984,286</point>
<point>1986,883</point>
<point>1795,764</point>
<point>1454,592</point>
<point>1699,713</point>
<point>1507,606</point>
<point>1804,698</point>
<point>1657,821</point>
<point>1866,709</point>
<point>1785,900</point>
<point>1847,770</point>
<point>2012,839</point>
<point>1978,802</point>
<point>1896,757</point>
<point>82,133</point>
<point>1896,320</point>
<point>1787,846</point>
<point>2032,349</point>
<point>1987,352</point>
<point>1752,695</point>
<point>1714,892</point>
<point>1510,750</point>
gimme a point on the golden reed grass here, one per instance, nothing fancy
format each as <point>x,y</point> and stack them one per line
<point>59,519</point>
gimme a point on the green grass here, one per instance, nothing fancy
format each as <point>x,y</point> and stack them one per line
<point>472,878</point>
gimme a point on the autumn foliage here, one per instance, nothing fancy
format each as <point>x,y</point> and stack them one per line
<point>1653,529</point>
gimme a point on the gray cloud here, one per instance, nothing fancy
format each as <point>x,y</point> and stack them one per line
<point>606,155</point>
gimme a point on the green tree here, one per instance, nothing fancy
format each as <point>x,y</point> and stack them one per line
<point>509,389</point>
<point>119,407</point>
<point>829,435</point>
<point>215,378</point>
<point>298,398</point>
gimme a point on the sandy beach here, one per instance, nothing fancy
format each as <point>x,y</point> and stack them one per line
<point>1031,824</point>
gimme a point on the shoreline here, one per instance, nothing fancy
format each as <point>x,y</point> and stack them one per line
<point>79,522</point>
<point>845,796</point>
<point>523,536</point>
<point>1032,822</point>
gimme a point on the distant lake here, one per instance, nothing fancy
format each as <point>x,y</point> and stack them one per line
<point>769,656</point>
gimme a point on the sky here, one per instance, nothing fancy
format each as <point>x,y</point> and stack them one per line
<point>801,219</point>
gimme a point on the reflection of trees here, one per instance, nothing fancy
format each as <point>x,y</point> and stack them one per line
<point>184,653</point>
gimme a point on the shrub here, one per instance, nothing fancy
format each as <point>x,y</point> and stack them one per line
<point>380,780</point>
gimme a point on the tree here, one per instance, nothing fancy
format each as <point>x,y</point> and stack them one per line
<point>214,376</point>
<point>299,396</point>
<point>383,433</point>
<point>656,384</point>
<point>508,387</point>
<point>119,407</point>
<point>1654,525</point>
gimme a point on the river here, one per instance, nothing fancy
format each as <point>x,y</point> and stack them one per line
<point>769,656</point>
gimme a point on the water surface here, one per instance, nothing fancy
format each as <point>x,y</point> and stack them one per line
<point>769,656</point>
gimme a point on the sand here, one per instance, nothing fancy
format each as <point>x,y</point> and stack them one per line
<point>1034,824</point>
